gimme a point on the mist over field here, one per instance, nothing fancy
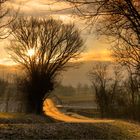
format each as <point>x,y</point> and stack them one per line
<point>71,76</point>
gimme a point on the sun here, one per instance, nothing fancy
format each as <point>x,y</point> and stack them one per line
<point>31,52</point>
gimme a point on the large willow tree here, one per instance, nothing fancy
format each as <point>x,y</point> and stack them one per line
<point>43,47</point>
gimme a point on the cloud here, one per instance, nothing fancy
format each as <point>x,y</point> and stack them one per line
<point>100,56</point>
<point>95,49</point>
<point>7,61</point>
<point>41,7</point>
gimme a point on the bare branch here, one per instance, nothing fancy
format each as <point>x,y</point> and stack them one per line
<point>53,44</point>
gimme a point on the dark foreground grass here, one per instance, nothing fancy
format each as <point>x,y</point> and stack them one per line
<point>15,118</point>
<point>41,128</point>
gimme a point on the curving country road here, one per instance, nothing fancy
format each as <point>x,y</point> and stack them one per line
<point>51,110</point>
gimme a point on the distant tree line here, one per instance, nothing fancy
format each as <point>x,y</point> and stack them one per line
<point>70,91</point>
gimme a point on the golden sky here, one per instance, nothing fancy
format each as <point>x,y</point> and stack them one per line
<point>95,49</point>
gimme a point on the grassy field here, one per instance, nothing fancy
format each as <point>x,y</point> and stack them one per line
<point>22,126</point>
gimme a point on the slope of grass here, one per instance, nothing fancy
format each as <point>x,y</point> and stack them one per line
<point>15,118</point>
<point>21,126</point>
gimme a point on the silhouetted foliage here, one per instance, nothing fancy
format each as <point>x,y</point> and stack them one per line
<point>52,44</point>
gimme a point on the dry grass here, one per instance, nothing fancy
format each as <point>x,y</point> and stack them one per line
<point>15,118</point>
<point>21,126</point>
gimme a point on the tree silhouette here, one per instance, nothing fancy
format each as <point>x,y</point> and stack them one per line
<point>106,86</point>
<point>5,19</point>
<point>118,20</point>
<point>43,47</point>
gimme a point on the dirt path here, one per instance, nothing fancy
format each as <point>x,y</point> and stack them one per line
<point>51,110</point>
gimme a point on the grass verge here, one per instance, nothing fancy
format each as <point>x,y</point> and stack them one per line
<point>22,126</point>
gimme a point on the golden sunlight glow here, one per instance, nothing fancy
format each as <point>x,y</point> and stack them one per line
<point>50,109</point>
<point>30,52</point>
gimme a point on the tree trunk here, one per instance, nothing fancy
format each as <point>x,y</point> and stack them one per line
<point>36,100</point>
<point>39,107</point>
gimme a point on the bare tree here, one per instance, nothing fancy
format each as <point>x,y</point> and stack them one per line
<point>105,86</point>
<point>126,13</point>
<point>132,88</point>
<point>43,47</point>
<point>119,20</point>
<point>5,18</point>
